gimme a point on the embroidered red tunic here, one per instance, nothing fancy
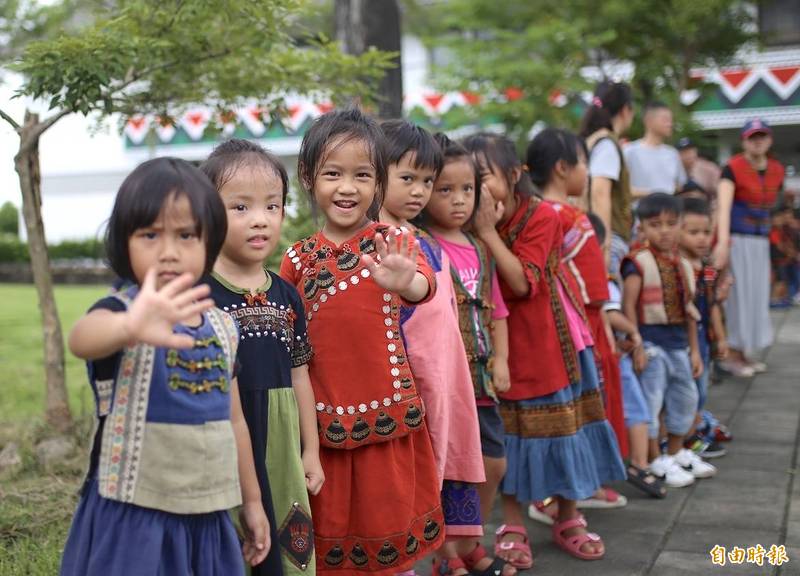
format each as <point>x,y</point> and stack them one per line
<point>379,509</point>
<point>542,355</point>
<point>582,254</point>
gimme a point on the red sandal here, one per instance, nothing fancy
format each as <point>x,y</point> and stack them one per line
<point>479,553</point>
<point>572,544</point>
<point>525,560</point>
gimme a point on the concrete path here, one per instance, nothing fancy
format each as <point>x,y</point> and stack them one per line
<point>754,499</point>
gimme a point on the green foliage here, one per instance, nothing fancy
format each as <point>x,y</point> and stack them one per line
<point>158,56</point>
<point>545,45</point>
<point>25,21</point>
<point>22,355</point>
<point>9,219</point>
<point>12,249</point>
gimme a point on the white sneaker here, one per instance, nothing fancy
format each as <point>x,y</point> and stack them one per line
<point>668,469</point>
<point>695,465</point>
<point>757,367</point>
<point>736,368</point>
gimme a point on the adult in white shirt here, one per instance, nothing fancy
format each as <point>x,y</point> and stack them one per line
<point>655,166</point>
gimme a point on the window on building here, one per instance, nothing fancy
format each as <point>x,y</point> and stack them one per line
<point>779,22</point>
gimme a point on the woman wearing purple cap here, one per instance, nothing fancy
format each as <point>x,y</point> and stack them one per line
<point>747,191</point>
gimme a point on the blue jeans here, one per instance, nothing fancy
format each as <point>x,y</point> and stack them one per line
<point>705,354</point>
<point>668,384</point>
<point>634,403</point>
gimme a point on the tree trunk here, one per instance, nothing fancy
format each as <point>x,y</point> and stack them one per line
<point>361,24</point>
<point>26,163</point>
<point>382,25</point>
<point>350,25</point>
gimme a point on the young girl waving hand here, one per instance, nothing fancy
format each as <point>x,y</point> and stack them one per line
<point>379,509</point>
<point>163,470</point>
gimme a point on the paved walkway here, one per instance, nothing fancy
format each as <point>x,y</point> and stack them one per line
<point>754,499</point>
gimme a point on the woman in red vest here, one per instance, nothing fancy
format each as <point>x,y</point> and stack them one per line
<point>747,191</point>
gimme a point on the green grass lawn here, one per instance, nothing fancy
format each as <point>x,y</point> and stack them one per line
<point>22,391</point>
<point>36,506</point>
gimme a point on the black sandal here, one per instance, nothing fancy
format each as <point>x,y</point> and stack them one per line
<point>646,481</point>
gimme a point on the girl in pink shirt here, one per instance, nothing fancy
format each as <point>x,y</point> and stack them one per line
<point>482,320</point>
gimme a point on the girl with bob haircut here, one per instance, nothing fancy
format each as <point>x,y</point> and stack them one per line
<point>171,452</point>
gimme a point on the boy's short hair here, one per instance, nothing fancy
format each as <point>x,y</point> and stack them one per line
<point>654,105</point>
<point>658,203</point>
<point>403,137</point>
<point>696,206</point>
<point>692,187</point>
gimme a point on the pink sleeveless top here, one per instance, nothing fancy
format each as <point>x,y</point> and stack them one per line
<point>441,372</point>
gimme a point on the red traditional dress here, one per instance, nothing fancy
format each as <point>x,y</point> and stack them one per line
<point>583,257</point>
<point>379,509</point>
<point>558,440</point>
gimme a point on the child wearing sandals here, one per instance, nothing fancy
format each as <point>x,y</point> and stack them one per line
<point>583,256</point>
<point>481,317</point>
<point>437,357</point>
<point>637,414</point>
<point>379,510</point>
<point>552,448</point>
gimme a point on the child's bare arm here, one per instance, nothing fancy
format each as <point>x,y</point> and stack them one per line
<point>99,334</point>
<point>309,438</point>
<point>501,378</point>
<point>718,328</point>
<point>630,296</point>
<point>621,323</point>
<point>694,348</point>
<point>253,518</point>
<point>508,265</point>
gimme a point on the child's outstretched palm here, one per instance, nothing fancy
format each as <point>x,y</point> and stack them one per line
<point>397,260</point>
<point>154,312</point>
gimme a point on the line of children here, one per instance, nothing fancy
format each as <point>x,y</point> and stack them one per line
<point>447,332</point>
<point>483,329</point>
<point>658,295</point>
<point>558,441</point>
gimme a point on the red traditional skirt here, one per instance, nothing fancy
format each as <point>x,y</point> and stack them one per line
<point>379,510</point>
<point>612,382</point>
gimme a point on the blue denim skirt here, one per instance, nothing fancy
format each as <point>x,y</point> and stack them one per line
<point>561,444</point>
